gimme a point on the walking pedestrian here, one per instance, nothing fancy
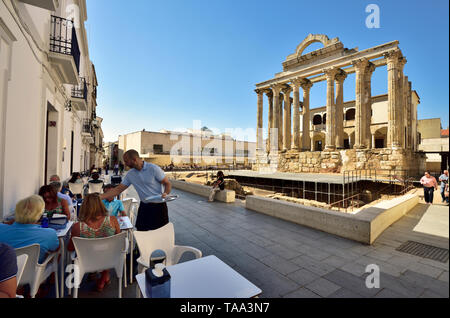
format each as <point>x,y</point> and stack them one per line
<point>444,181</point>
<point>429,185</point>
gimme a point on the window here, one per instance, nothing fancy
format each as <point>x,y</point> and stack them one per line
<point>350,114</point>
<point>157,148</point>
<point>317,120</point>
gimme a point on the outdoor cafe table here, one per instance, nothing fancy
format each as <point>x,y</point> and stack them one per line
<point>61,235</point>
<point>206,277</point>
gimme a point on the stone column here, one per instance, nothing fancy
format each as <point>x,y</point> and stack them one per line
<point>270,124</point>
<point>340,77</point>
<point>368,103</point>
<point>296,113</point>
<point>330,139</point>
<point>360,95</point>
<point>405,112</point>
<point>280,122</point>
<point>259,121</point>
<point>395,69</point>
<point>287,119</point>
<point>306,138</point>
<point>276,118</point>
<point>409,116</point>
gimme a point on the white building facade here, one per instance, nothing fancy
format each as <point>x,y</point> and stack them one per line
<point>48,90</point>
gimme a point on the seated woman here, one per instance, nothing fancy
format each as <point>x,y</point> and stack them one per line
<point>26,230</point>
<point>53,204</point>
<point>218,185</point>
<point>95,223</point>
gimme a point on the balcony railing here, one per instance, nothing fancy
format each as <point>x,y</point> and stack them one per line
<point>80,91</point>
<point>63,38</point>
<point>87,127</point>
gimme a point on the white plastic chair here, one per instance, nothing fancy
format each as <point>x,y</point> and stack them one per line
<point>95,187</point>
<point>76,188</point>
<point>100,254</point>
<point>35,274</point>
<point>161,239</point>
<point>21,261</point>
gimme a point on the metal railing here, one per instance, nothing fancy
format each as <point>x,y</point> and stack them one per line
<point>63,38</point>
<point>80,90</point>
<point>87,127</point>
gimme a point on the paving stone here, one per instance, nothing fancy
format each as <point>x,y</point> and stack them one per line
<point>344,293</point>
<point>302,293</point>
<point>303,276</point>
<point>276,282</point>
<point>401,286</point>
<point>322,287</point>
<point>430,294</point>
<point>279,264</point>
<point>425,269</point>
<point>444,277</point>
<point>380,255</point>
<point>313,252</point>
<point>354,269</point>
<point>283,251</point>
<point>437,286</point>
<point>335,261</point>
<point>355,284</point>
<point>312,265</point>
<point>387,293</point>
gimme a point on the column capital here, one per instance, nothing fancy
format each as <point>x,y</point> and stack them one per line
<point>331,72</point>
<point>259,91</point>
<point>341,76</point>
<point>296,83</point>
<point>370,68</point>
<point>276,88</point>
<point>360,64</point>
<point>306,84</point>
<point>401,62</point>
<point>393,56</point>
<point>286,89</point>
<point>268,92</point>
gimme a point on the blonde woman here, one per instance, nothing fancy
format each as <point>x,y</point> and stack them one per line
<point>95,222</point>
<point>26,229</point>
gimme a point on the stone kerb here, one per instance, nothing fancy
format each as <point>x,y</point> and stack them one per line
<point>227,196</point>
<point>363,227</point>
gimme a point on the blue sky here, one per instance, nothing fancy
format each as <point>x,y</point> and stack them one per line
<point>163,64</point>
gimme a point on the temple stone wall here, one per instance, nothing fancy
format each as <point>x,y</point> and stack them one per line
<point>347,160</point>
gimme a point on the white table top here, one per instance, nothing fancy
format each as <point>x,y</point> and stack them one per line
<point>206,277</point>
<point>63,232</point>
<point>124,223</point>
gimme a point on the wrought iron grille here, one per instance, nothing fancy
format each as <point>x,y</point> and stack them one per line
<point>87,127</point>
<point>63,38</point>
<point>80,91</point>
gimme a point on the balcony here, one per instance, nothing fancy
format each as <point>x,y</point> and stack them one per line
<point>87,131</point>
<point>50,5</point>
<point>79,95</point>
<point>64,52</point>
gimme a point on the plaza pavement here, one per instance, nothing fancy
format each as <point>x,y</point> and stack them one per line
<point>288,260</point>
